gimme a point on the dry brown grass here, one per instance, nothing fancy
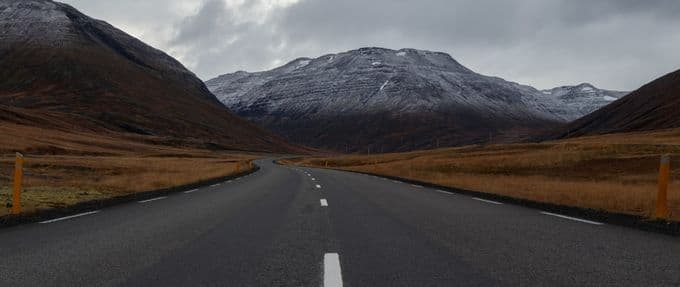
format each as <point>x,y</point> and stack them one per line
<point>64,168</point>
<point>613,172</point>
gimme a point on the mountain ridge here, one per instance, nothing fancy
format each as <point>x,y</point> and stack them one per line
<point>390,86</point>
<point>654,106</point>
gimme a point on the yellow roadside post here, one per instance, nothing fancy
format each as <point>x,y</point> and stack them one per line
<point>250,164</point>
<point>18,178</point>
<point>662,196</point>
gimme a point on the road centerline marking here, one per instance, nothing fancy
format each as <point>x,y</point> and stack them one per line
<point>190,191</point>
<point>418,186</point>
<point>444,192</point>
<point>323,202</point>
<point>487,201</point>
<point>572,218</point>
<point>152,199</point>
<point>332,274</point>
<point>70,216</point>
<point>318,186</point>
<point>214,185</point>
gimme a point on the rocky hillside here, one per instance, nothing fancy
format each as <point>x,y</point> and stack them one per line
<point>62,69</point>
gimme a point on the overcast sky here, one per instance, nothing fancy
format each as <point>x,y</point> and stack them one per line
<point>614,44</point>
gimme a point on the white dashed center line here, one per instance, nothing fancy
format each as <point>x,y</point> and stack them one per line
<point>318,186</point>
<point>313,179</point>
<point>153,199</point>
<point>69,217</point>
<point>487,201</point>
<point>214,185</point>
<point>332,275</point>
<point>572,218</point>
<point>190,191</point>
<point>323,202</point>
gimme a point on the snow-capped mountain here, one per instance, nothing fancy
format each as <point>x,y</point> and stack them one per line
<point>654,106</point>
<point>580,100</point>
<point>382,99</point>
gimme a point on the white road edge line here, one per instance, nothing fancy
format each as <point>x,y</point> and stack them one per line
<point>153,199</point>
<point>190,191</point>
<point>318,186</point>
<point>214,185</point>
<point>487,201</point>
<point>418,186</point>
<point>69,217</point>
<point>572,218</point>
<point>395,181</point>
<point>323,202</point>
<point>332,275</point>
<point>444,192</point>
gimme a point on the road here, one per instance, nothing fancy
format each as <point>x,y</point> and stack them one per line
<point>290,226</point>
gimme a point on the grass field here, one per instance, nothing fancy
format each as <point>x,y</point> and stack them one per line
<point>63,168</point>
<point>614,172</point>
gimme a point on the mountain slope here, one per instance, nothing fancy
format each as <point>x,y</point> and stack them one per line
<point>387,100</point>
<point>75,72</point>
<point>654,106</point>
<point>580,100</point>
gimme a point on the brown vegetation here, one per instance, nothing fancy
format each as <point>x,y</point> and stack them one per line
<point>63,168</point>
<point>614,172</point>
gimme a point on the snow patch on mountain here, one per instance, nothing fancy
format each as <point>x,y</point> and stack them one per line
<point>302,64</point>
<point>384,84</point>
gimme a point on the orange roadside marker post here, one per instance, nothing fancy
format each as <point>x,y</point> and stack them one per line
<point>662,195</point>
<point>18,178</point>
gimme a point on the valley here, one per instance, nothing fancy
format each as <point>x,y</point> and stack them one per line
<point>344,159</point>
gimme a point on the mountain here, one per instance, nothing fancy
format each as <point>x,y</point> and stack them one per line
<point>387,100</point>
<point>654,106</point>
<point>61,69</point>
<point>577,101</point>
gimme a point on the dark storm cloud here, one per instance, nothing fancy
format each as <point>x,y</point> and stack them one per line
<point>616,44</point>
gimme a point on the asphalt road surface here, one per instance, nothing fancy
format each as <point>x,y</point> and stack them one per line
<point>289,226</point>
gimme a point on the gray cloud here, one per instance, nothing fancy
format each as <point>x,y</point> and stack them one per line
<point>615,44</point>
